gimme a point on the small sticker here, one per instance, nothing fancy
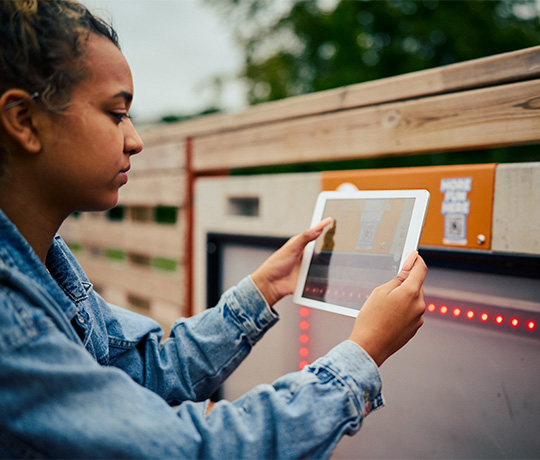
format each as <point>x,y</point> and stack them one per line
<point>455,208</point>
<point>369,221</point>
<point>366,235</point>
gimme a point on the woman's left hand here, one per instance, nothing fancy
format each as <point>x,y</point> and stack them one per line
<point>277,276</point>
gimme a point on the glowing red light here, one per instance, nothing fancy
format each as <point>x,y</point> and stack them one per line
<point>304,325</point>
<point>303,364</point>
<point>304,311</point>
<point>499,319</point>
<point>484,317</point>
<point>531,325</point>
<point>470,314</point>
<point>304,338</point>
<point>444,310</point>
<point>514,322</point>
<point>303,352</point>
<point>456,312</point>
<point>431,307</point>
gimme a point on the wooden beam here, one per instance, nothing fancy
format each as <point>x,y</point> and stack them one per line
<point>504,68</point>
<point>163,156</point>
<point>476,119</point>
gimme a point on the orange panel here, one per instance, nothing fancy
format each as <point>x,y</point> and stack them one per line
<point>461,205</point>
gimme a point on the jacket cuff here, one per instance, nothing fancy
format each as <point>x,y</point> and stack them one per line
<point>356,370</point>
<point>251,309</point>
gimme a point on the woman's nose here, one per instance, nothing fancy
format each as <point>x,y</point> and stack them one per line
<point>133,143</point>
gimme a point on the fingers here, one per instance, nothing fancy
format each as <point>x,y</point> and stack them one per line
<point>414,267</point>
<point>277,276</point>
<point>409,263</point>
<point>311,234</point>
<point>318,228</point>
<point>417,274</point>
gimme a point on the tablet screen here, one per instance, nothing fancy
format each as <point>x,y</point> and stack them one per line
<point>363,248</point>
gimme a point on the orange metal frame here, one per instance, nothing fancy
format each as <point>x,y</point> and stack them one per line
<point>461,205</point>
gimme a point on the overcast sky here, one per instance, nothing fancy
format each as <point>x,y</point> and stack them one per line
<point>174,48</point>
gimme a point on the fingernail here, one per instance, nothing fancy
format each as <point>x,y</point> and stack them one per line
<point>322,221</point>
<point>409,263</point>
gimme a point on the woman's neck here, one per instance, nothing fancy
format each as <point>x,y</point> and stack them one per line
<point>31,219</point>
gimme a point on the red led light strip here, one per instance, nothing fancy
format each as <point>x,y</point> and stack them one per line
<point>303,350</point>
<point>525,323</point>
<point>521,322</point>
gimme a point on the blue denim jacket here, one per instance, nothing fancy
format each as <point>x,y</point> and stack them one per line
<point>81,378</point>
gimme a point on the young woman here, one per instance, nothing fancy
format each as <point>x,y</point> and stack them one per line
<point>81,378</point>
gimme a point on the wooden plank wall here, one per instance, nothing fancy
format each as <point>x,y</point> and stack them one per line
<point>134,255</point>
<point>477,104</point>
<point>489,102</point>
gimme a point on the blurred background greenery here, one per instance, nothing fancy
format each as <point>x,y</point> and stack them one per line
<point>298,47</point>
<point>293,47</point>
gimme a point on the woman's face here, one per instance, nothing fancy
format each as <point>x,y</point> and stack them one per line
<point>86,150</point>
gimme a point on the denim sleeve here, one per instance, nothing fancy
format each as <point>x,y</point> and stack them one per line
<point>301,415</point>
<point>201,352</point>
<point>56,401</point>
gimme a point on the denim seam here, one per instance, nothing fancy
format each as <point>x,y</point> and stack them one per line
<point>343,382</point>
<point>122,343</point>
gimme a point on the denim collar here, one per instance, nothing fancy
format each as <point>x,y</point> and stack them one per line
<point>62,272</point>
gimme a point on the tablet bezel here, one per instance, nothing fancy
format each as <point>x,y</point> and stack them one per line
<point>416,223</point>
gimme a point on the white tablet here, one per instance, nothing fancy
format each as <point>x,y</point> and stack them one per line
<point>369,239</point>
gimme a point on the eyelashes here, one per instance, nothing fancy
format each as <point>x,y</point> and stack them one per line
<point>120,116</point>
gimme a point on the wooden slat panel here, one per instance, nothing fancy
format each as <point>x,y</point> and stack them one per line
<point>163,156</point>
<point>493,70</point>
<point>71,230</point>
<point>145,238</point>
<point>135,280</point>
<point>154,188</point>
<point>483,118</point>
<point>166,314</point>
<point>516,216</point>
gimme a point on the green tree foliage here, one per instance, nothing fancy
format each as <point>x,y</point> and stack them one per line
<point>297,47</point>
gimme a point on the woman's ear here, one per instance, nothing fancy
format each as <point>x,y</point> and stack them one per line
<point>17,110</point>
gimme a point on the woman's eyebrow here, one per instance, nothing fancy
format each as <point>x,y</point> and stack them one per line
<point>128,97</point>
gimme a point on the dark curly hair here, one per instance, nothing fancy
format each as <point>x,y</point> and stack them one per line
<point>41,46</point>
<point>41,43</point>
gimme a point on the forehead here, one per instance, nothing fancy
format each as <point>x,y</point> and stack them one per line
<point>106,67</point>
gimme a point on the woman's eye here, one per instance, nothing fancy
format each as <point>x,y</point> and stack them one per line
<point>119,116</point>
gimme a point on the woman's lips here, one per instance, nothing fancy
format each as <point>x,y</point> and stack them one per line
<point>123,174</point>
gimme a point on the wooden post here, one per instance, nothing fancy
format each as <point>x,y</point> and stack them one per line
<point>188,236</point>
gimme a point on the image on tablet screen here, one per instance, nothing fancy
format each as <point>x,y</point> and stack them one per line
<point>360,250</point>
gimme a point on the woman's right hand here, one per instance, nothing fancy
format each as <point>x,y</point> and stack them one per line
<point>392,314</point>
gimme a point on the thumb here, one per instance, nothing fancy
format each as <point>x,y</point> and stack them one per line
<point>416,276</point>
<point>408,266</point>
<point>311,234</point>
